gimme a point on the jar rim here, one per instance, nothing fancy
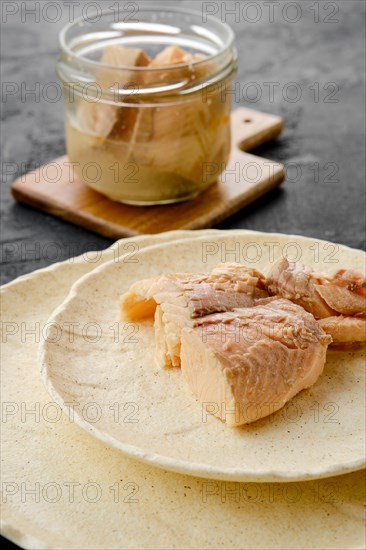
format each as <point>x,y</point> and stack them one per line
<point>159,7</point>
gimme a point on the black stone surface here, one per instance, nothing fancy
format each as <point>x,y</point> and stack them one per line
<point>319,47</point>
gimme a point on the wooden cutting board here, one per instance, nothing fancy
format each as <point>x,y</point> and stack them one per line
<point>53,189</point>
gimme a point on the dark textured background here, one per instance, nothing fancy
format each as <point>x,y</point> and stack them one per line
<point>319,132</point>
<point>325,134</point>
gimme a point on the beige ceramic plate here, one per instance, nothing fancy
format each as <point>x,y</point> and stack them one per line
<point>134,506</point>
<point>102,374</point>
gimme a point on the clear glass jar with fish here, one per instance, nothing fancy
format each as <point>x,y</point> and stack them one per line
<point>148,102</point>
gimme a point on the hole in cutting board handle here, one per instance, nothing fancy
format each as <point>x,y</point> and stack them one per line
<point>247,120</point>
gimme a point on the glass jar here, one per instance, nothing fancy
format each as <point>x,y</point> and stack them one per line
<point>148,102</point>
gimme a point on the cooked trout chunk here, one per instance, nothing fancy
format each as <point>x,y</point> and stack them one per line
<point>350,279</point>
<point>182,297</point>
<point>297,282</point>
<point>187,126</point>
<point>173,55</point>
<point>322,295</point>
<point>347,332</point>
<point>340,297</point>
<point>342,300</point>
<point>99,118</point>
<point>245,364</point>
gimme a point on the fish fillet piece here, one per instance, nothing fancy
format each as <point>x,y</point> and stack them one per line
<point>100,118</point>
<point>179,129</point>
<point>350,279</point>
<point>183,297</point>
<point>118,56</point>
<point>173,55</point>
<point>321,295</point>
<point>346,332</point>
<point>132,124</point>
<point>245,364</point>
<point>96,119</point>
<point>189,127</point>
<point>342,294</point>
<point>342,300</point>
